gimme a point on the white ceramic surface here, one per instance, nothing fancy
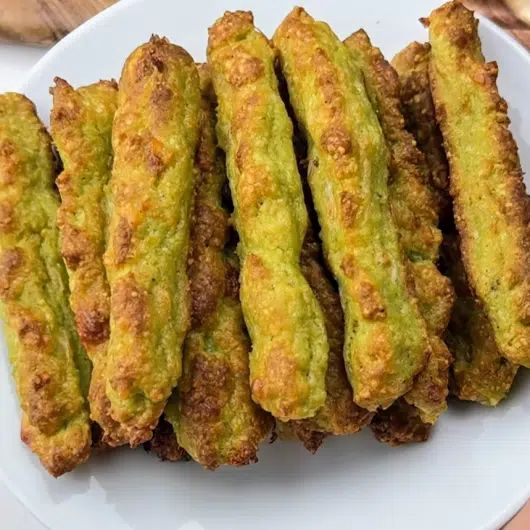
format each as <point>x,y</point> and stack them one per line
<point>473,474</point>
<point>16,60</point>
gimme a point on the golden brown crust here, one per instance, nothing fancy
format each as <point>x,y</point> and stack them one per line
<point>490,201</point>
<point>205,404</point>
<point>415,214</point>
<point>411,200</point>
<point>412,66</point>
<point>340,414</point>
<point>58,453</point>
<point>11,261</point>
<point>209,381</point>
<point>207,266</point>
<point>164,443</point>
<point>348,154</point>
<point>235,24</point>
<point>81,124</point>
<point>400,424</point>
<point>311,439</point>
<point>206,269</point>
<point>49,366</point>
<point>213,415</point>
<point>435,295</point>
<point>130,301</point>
<point>154,136</point>
<point>431,386</point>
<point>479,372</point>
<point>289,347</point>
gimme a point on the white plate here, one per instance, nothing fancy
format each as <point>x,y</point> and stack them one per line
<point>473,474</point>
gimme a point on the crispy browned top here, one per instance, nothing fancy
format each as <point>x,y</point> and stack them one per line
<point>412,66</point>
<point>340,414</point>
<point>212,412</point>
<point>348,175</point>
<point>234,24</point>
<point>207,270</point>
<point>479,372</point>
<point>49,366</point>
<point>164,443</point>
<point>411,199</point>
<point>154,137</point>
<point>289,348</point>
<point>81,126</point>
<point>400,424</point>
<point>489,197</point>
<point>415,214</point>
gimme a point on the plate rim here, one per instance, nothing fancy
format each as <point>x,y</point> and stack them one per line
<point>41,64</point>
<point>113,10</point>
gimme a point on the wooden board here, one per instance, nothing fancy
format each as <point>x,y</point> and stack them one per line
<point>44,21</point>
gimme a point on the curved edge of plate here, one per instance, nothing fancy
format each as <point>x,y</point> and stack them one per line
<point>86,26</point>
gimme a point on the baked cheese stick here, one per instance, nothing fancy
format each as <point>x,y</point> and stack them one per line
<point>479,372</point>
<point>386,342</point>
<point>81,127</point>
<point>414,210</point>
<point>164,443</point>
<point>154,138</point>
<point>289,345</point>
<point>213,414</point>
<point>490,203</point>
<point>50,369</point>
<point>412,66</point>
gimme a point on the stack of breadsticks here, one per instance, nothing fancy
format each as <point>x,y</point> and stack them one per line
<point>369,256</point>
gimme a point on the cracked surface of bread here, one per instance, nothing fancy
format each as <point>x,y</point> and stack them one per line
<point>412,66</point>
<point>414,210</point>
<point>212,413</point>
<point>490,202</point>
<point>154,138</point>
<point>50,368</point>
<point>479,372</point>
<point>289,345</point>
<point>385,338</point>
<point>81,128</point>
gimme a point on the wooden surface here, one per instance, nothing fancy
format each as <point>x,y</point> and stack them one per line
<point>512,15</point>
<point>44,21</point>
